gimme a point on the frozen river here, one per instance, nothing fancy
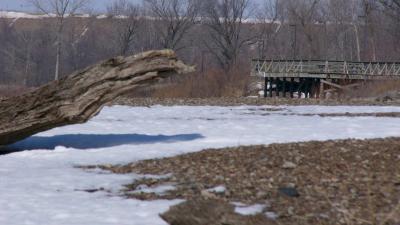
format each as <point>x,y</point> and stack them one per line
<point>39,183</point>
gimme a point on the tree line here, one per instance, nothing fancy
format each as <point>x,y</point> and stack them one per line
<point>218,36</point>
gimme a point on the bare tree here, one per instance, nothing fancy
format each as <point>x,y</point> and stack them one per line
<point>304,14</point>
<point>355,24</point>
<point>369,8</point>
<point>393,6</point>
<point>60,9</point>
<point>269,15</point>
<point>225,19</point>
<point>392,9</point>
<point>17,51</point>
<point>127,17</point>
<point>174,19</point>
<point>345,23</point>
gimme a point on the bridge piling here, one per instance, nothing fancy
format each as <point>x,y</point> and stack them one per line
<point>301,83</point>
<point>266,87</point>
<point>277,82</point>
<point>271,81</point>
<point>307,88</point>
<point>284,87</point>
<point>291,87</point>
<point>313,84</point>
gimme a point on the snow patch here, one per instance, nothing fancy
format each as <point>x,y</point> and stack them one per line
<point>249,210</point>
<point>158,190</point>
<point>25,15</point>
<point>219,189</point>
<point>271,215</point>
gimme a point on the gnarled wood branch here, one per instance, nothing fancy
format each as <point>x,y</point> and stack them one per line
<point>80,96</point>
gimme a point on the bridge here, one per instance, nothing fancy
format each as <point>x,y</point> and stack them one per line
<point>316,78</point>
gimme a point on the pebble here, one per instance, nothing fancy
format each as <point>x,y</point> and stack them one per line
<point>324,216</point>
<point>291,210</point>
<point>206,194</point>
<point>289,191</point>
<point>261,194</point>
<point>271,215</point>
<point>219,189</point>
<point>219,177</point>
<point>289,165</point>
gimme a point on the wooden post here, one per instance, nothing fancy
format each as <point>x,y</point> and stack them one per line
<point>284,87</point>
<point>271,81</point>
<point>277,81</point>
<point>321,89</point>
<point>312,83</point>
<point>300,87</point>
<point>265,87</point>
<point>306,86</point>
<point>316,88</point>
<point>291,87</point>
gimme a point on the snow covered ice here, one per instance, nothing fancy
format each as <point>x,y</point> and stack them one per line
<point>43,186</point>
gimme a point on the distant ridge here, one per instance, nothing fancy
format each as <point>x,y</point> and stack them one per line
<point>26,15</point>
<point>17,15</point>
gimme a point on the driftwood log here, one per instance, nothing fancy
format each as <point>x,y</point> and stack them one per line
<point>80,96</point>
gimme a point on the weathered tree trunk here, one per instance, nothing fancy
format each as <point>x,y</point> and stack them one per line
<point>80,96</point>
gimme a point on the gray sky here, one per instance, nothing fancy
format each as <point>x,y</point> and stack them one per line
<point>21,5</point>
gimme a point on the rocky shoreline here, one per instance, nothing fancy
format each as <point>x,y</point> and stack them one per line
<point>331,182</point>
<point>248,101</point>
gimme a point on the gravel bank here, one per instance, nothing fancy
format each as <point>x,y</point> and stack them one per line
<point>245,101</point>
<point>332,182</point>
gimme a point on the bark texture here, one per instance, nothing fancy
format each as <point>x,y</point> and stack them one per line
<point>80,96</point>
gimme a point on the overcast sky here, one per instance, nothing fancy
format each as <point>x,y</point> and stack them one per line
<point>21,5</point>
<point>96,5</point>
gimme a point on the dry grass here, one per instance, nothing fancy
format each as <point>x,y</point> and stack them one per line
<point>212,83</point>
<point>375,89</point>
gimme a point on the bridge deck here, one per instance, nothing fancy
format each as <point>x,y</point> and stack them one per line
<point>326,69</point>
